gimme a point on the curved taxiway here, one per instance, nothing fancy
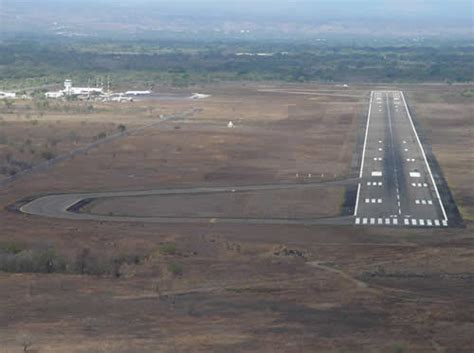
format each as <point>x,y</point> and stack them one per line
<point>65,206</point>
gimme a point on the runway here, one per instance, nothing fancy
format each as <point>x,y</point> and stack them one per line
<point>396,184</point>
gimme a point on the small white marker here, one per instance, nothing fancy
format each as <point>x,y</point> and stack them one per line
<point>407,222</point>
<point>387,220</point>
<point>413,222</point>
<point>380,221</point>
<point>372,221</point>
<point>415,174</point>
<point>367,200</point>
<point>380,183</point>
<point>369,183</point>
<point>428,222</point>
<point>357,220</point>
<point>364,220</point>
<point>430,202</point>
<point>379,201</point>
<point>422,222</point>
<point>445,223</point>
<point>417,202</point>
<point>395,221</point>
<point>436,222</point>
<point>377,174</point>
<point>373,200</point>
<point>423,202</point>
<point>380,149</point>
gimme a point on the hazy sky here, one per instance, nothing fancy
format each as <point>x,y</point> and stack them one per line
<point>419,14</point>
<point>426,9</point>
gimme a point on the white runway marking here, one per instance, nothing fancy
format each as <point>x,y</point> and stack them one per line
<point>445,223</point>
<point>389,216</point>
<point>423,202</point>
<point>436,222</point>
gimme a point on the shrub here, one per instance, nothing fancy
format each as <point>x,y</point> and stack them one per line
<point>175,269</point>
<point>11,248</point>
<point>32,261</point>
<point>168,249</point>
<point>47,155</point>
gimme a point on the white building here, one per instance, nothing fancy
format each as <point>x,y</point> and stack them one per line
<point>70,90</point>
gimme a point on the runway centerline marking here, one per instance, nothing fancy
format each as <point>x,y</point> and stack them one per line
<point>392,147</point>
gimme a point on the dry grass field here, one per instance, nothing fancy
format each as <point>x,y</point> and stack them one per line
<point>179,288</point>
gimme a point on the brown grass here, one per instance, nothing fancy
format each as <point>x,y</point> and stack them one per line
<point>245,288</point>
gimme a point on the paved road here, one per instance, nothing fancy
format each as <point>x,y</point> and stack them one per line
<point>60,206</point>
<point>396,186</point>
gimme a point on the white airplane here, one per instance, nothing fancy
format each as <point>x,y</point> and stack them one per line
<point>138,93</point>
<point>7,95</point>
<point>199,96</point>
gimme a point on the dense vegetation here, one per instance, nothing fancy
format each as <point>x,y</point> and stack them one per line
<point>184,64</point>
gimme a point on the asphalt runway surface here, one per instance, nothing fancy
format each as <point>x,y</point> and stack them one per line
<point>396,184</point>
